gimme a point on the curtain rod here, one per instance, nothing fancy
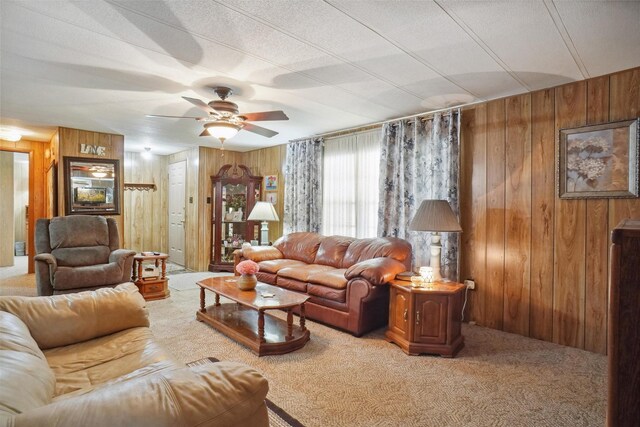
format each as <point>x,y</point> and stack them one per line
<point>380,123</point>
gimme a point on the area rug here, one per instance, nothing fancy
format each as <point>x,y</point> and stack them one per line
<point>278,417</point>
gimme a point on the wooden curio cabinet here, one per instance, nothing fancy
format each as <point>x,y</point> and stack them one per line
<point>235,191</point>
<point>426,320</point>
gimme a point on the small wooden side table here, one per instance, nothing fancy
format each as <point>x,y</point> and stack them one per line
<point>426,320</point>
<point>152,287</point>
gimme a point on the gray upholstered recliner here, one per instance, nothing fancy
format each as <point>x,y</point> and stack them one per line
<point>78,253</point>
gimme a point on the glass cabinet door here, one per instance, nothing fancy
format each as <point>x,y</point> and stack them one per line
<point>234,216</point>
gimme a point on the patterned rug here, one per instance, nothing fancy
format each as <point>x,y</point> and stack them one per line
<point>278,417</point>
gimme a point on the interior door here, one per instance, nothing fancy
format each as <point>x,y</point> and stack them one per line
<point>177,184</point>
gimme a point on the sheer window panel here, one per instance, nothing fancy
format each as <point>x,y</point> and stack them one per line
<point>350,187</point>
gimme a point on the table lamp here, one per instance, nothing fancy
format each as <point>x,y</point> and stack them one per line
<point>435,216</point>
<point>263,211</point>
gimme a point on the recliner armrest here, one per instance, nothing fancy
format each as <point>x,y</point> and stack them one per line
<point>120,254</point>
<point>217,394</point>
<point>48,258</point>
<point>378,271</point>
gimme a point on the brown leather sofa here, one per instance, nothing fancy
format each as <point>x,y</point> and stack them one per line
<point>89,359</point>
<point>345,278</point>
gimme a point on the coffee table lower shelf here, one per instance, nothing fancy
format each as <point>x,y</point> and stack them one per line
<point>241,324</point>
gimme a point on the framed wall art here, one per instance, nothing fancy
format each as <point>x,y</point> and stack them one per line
<point>270,183</point>
<point>599,161</point>
<point>91,186</point>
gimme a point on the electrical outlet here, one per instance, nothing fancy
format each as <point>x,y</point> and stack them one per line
<point>470,284</point>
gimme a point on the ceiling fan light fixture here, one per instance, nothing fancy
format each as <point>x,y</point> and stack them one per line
<point>222,130</point>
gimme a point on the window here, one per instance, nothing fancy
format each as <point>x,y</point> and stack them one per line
<point>350,185</point>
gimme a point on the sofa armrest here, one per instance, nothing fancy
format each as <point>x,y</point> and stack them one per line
<point>378,271</point>
<point>218,394</point>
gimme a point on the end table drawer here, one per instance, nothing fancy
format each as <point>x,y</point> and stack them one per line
<point>150,288</point>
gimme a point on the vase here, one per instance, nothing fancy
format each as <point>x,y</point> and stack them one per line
<point>247,282</point>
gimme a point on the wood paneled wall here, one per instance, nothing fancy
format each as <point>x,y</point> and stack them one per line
<point>145,212</point>
<point>540,263</point>
<point>68,144</point>
<point>39,159</point>
<point>202,163</point>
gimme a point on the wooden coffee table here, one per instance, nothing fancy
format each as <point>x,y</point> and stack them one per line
<point>245,320</point>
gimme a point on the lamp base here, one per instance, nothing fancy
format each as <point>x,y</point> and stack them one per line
<point>436,250</point>
<point>264,234</point>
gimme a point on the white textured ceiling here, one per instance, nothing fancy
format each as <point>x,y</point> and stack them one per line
<point>330,65</point>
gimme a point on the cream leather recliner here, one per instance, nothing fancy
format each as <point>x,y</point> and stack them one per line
<point>89,359</point>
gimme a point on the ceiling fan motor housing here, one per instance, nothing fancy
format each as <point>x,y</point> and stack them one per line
<point>224,106</point>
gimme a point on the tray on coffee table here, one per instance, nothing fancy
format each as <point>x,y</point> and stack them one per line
<point>245,321</point>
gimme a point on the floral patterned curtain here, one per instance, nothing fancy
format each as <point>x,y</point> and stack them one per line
<point>303,186</point>
<point>420,159</point>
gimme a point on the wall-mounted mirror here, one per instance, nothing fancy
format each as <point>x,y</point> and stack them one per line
<point>91,186</point>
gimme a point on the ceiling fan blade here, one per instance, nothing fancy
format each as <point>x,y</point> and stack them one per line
<point>205,133</point>
<point>174,117</point>
<point>200,104</point>
<point>265,116</point>
<point>259,130</point>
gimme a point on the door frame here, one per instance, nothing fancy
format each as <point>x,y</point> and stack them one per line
<point>33,209</point>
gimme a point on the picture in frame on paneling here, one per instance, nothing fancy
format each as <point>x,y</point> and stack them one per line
<point>271,182</point>
<point>599,161</point>
<point>91,186</point>
<point>271,197</point>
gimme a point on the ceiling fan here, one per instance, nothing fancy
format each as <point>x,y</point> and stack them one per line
<point>223,119</point>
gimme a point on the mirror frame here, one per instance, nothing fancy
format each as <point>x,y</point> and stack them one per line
<point>68,190</point>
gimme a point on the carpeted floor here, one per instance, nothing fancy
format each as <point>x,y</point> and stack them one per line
<point>498,379</point>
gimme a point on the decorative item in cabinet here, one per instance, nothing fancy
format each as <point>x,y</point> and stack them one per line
<point>235,192</point>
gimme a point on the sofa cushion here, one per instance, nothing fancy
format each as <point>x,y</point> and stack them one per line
<point>302,272</point>
<point>26,382</point>
<point>332,249</point>
<point>81,367</point>
<point>260,253</point>
<point>87,276</point>
<point>332,278</point>
<point>79,316</point>
<point>292,284</point>
<point>79,230</point>
<point>88,255</point>
<point>363,249</point>
<point>275,265</point>
<point>326,292</point>
<point>299,246</point>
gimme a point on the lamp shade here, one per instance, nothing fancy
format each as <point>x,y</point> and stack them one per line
<point>263,211</point>
<point>435,215</point>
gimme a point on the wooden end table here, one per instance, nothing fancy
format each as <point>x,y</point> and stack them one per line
<point>426,320</point>
<point>245,320</point>
<point>155,287</point>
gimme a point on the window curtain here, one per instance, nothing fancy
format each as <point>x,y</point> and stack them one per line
<point>420,159</point>
<point>303,186</point>
<point>350,185</point>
